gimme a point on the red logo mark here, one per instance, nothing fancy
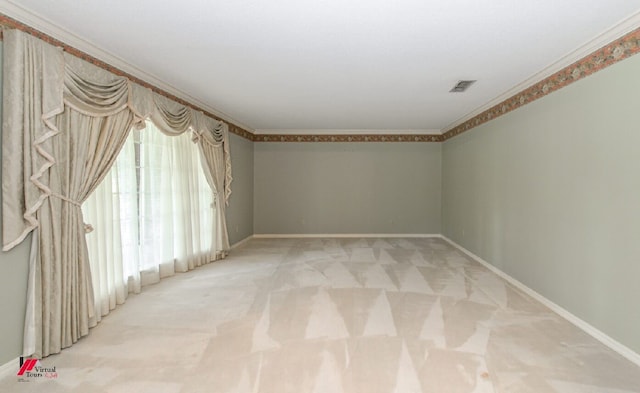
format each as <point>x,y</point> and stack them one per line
<point>28,365</point>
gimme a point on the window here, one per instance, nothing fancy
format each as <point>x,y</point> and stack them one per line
<point>152,215</point>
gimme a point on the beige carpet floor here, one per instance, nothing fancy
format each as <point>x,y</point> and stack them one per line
<point>335,315</point>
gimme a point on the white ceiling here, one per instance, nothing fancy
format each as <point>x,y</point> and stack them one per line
<point>333,64</point>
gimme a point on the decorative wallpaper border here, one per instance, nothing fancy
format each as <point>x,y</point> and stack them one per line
<point>6,21</point>
<point>618,50</point>
<point>610,54</point>
<point>347,138</point>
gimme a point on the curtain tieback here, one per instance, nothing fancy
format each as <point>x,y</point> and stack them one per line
<point>64,198</point>
<point>88,228</point>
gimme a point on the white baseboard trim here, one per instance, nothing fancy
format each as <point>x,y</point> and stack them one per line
<point>241,242</point>
<point>11,367</point>
<point>594,332</point>
<point>341,235</point>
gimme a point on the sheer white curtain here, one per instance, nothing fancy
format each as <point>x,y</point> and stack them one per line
<point>176,205</point>
<point>152,215</point>
<point>113,247</point>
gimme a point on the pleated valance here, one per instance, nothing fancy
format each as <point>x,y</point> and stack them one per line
<point>62,80</point>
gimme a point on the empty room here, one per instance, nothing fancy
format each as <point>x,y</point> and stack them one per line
<point>320,196</point>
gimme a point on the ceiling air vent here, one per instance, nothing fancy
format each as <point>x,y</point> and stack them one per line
<point>461,86</point>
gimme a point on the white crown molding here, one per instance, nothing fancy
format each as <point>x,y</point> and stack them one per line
<point>623,27</point>
<point>307,131</point>
<point>594,332</point>
<point>40,23</point>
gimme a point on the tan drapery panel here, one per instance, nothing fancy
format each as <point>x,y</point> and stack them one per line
<point>65,121</point>
<point>214,161</point>
<point>64,154</point>
<point>86,147</point>
<point>32,92</point>
<point>213,132</point>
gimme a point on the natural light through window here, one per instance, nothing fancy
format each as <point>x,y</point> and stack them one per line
<point>152,215</point>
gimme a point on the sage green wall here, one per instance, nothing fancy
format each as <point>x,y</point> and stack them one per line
<point>13,288</point>
<point>306,188</point>
<point>240,209</point>
<point>550,194</point>
<point>14,268</point>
